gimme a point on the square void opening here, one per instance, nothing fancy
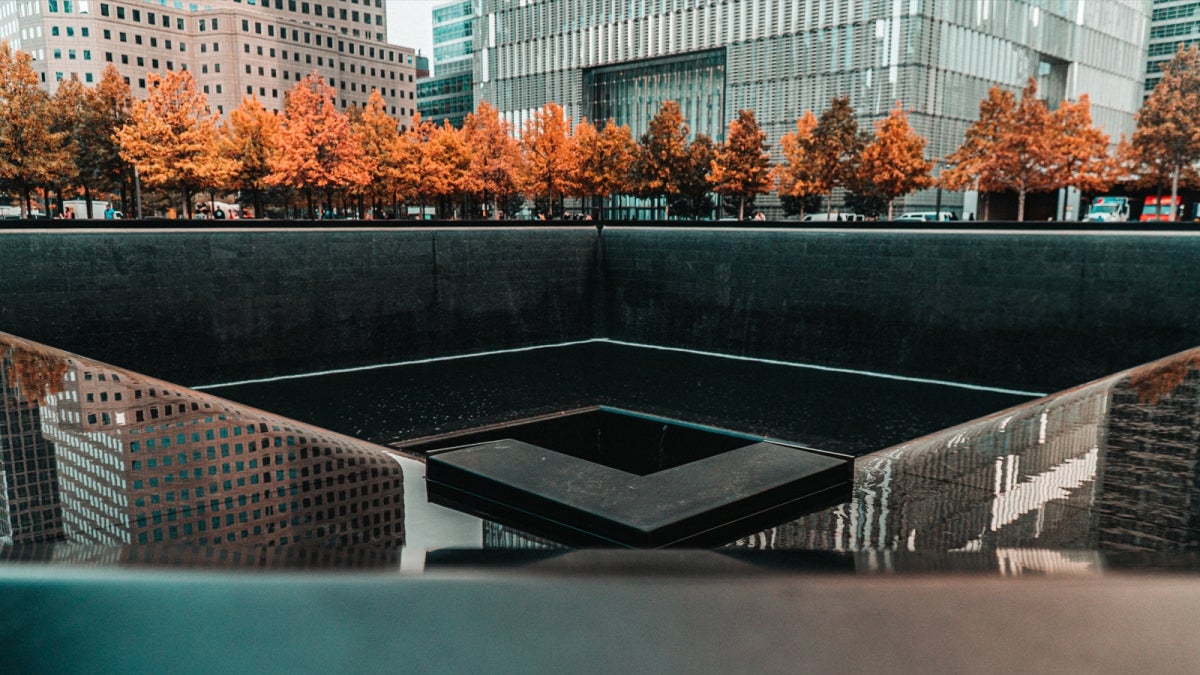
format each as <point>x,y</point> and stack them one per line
<point>601,476</point>
<point>622,440</point>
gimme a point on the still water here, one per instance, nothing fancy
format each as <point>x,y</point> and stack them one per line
<point>842,412</point>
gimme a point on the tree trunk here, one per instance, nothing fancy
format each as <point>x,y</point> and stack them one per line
<point>87,198</point>
<point>1021,205</point>
<point>1174,193</point>
<point>891,201</point>
<point>666,208</point>
<point>741,207</point>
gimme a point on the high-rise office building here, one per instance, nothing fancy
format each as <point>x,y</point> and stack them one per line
<point>233,48</point>
<point>937,58</point>
<point>1172,23</point>
<point>448,95</point>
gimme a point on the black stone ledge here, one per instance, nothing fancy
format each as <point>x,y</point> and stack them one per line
<point>581,503</point>
<point>349,224</point>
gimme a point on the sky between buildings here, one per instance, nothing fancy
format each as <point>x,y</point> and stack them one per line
<point>410,24</point>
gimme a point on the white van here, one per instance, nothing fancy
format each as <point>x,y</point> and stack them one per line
<point>928,216</point>
<point>833,217</point>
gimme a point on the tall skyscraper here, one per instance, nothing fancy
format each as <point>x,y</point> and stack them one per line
<point>448,95</point>
<point>233,48</point>
<point>1173,23</point>
<point>937,58</point>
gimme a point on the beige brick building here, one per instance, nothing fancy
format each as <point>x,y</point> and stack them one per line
<point>233,47</point>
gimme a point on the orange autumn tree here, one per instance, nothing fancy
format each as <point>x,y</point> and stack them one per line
<point>1080,149</point>
<point>797,176</point>
<point>171,137</point>
<point>411,156</point>
<point>1012,146</point>
<point>92,116</point>
<point>663,155</point>
<point>971,166</point>
<point>378,133</point>
<point>606,158</point>
<point>495,170</point>
<point>694,199</point>
<point>317,148</point>
<point>71,103</point>
<point>447,168</point>
<point>1166,142</point>
<point>741,167</point>
<point>37,372</point>
<point>112,106</point>
<point>894,163</point>
<point>249,139</point>
<point>32,153</point>
<point>549,157</point>
<point>837,143</point>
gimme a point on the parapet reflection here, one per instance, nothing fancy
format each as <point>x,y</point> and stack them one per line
<point>92,454</point>
<point>1066,484</point>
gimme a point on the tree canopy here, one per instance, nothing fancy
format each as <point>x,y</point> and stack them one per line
<point>33,152</point>
<point>171,137</point>
<point>894,163</point>
<point>663,155</point>
<point>741,166</point>
<point>1166,144</point>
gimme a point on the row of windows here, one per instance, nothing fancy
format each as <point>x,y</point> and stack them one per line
<point>308,58</point>
<point>72,54</point>
<point>308,38</point>
<point>56,31</point>
<point>1173,30</point>
<point>151,17</point>
<point>207,24</point>
<point>317,9</point>
<point>1176,12</point>
<point>122,36</point>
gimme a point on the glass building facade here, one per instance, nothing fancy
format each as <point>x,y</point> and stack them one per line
<point>631,93</point>
<point>447,96</point>
<point>937,58</point>
<point>1173,23</point>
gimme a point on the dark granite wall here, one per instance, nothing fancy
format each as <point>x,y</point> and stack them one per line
<point>1034,311</point>
<point>199,307</point>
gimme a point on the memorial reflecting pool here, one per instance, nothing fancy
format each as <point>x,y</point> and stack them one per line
<point>104,465</point>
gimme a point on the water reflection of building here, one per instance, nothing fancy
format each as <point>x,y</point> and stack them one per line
<point>500,536</point>
<point>1152,466</point>
<point>135,460</point>
<point>235,556</point>
<point>1015,481</point>
<point>29,504</point>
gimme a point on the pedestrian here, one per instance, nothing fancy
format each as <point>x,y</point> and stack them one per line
<point>109,213</point>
